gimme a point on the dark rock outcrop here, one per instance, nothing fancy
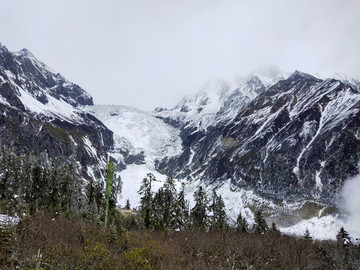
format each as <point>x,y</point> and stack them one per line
<point>297,140</point>
<point>26,126</point>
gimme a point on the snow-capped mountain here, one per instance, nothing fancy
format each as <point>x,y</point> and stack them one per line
<point>140,141</point>
<point>284,143</point>
<point>350,80</point>
<point>298,139</point>
<point>219,100</point>
<point>289,151</point>
<point>39,112</point>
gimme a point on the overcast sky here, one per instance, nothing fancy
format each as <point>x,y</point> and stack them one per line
<point>149,53</point>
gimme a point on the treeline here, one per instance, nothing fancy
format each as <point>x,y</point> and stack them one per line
<point>62,227</point>
<point>30,184</point>
<point>168,209</point>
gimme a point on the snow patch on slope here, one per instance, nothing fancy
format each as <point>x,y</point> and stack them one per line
<point>319,228</point>
<point>54,107</point>
<point>138,131</point>
<point>132,178</point>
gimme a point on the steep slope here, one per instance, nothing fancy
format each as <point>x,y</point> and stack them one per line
<point>283,144</point>
<point>39,113</point>
<point>219,100</point>
<point>297,140</point>
<point>139,137</point>
<point>353,81</point>
<point>218,103</point>
<point>140,141</point>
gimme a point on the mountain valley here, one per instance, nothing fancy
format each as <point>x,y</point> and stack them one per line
<point>283,143</point>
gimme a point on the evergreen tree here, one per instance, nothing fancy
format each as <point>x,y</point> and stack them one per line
<point>343,237</point>
<point>169,204</point>
<point>218,219</point>
<point>37,189</point>
<point>110,168</point>
<point>29,184</point>
<point>274,229</point>
<point>199,212</point>
<point>7,183</point>
<point>127,206</point>
<point>344,243</point>
<point>70,189</point>
<point>145,192</point>
<point>91,199</point>
<point>182,210</point>
<point>116,189</point>
<point>54,190</point>
<point>307,235</point>
<point>158,207</point>
<point>26,183</point>
<point>260,223</point>
<point>99,196</point>
<point>241,224</point>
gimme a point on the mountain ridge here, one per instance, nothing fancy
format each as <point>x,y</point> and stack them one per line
<point>40,112</point>
<point>274,143</point>
<point>300,96</point>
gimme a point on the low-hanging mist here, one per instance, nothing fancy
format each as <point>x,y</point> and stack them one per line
<point>350,204</point>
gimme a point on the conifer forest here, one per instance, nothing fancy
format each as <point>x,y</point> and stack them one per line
<point>61,226</point>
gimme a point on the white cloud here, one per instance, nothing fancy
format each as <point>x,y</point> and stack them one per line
<point>350,202</point>
<point>150,53</point>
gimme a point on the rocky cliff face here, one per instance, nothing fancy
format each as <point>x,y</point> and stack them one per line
<point>298,139</point>
<point>39,113</point>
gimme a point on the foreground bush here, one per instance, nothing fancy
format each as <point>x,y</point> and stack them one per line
<point>41,242</point>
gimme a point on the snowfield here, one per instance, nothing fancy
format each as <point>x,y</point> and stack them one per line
<point>138,131</point>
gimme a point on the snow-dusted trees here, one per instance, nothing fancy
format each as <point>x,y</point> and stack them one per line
<point>146,200</point>
<point>127,206</point>
<point>169,204</point>
<point>182,210</point>
<point>241,224</point>
<point>165,209</point>
<point>260,223</point>
<point>110,168</point>
<point>29,184</point>
<point>343,237</point>
<point>218,219</point>
<point>199,217</point>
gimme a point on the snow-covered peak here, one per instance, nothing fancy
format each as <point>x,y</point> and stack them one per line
<point>354,81</point>
<point>25,55</point>
<point>26,52</point>
<point>302,75</point>
<point>219,100</point>
<point>28,84</point>
<point>2,48</point>
<point>269,75</point>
